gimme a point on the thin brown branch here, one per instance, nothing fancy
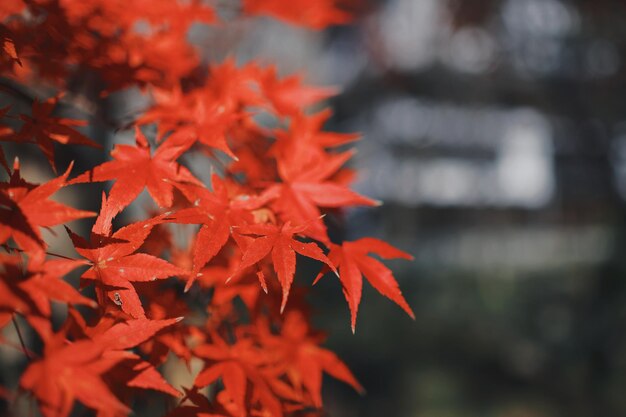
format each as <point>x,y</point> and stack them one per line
<point>19,335</point>
<point>10,248</point>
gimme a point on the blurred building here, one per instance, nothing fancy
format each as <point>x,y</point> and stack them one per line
<point>495,132</point>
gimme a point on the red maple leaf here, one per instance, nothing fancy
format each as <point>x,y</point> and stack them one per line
<point>114,263</point>
<point>135,169</point>
<point>305,135</point>
<point>72,371</point>
<point>69,372</point>
<point>44,129</point>
<point>29,289</point>
<point>132,371</point>
<point>167,303</point>
<point>353,262</point>
<point>300,358</point>
<point>21,213</point>
<point>288,95</point>
<point>236,365</point>
<point>307,185</point>
<point>280,242</point>
<point>206,114</point>
<point>227,206</point>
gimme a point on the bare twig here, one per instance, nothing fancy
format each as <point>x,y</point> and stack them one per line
<point>19,335</point>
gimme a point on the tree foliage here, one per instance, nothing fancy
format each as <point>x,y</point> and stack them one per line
<point>224,296</point>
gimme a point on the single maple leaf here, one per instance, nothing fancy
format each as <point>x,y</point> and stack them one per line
<point>288,95</point>
<point>21,213</point>
<point>114,263</point>
<point>353,262</point>
<point>305,135</point>
<point>298,356</point>
<point>69,372</point>
<point>44,129</point>
<point>307,185</point>
<point>44,283</point>
<point>119,336</point>
<point>135,169</point>
<point>116,330</point>
<point>236,365</point>
<point>280,242</point>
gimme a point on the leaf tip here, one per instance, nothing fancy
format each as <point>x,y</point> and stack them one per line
<point>284,302</point>
<point>316,280</point>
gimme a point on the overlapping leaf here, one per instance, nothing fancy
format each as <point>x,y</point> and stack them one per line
<point>21,213</point>
<point>219,211</point>
<point>299,357</point>
<point>135,169</point>
<point>44,129</point>
<point>307,185</point>
<point>237,365</point>
<point>353,262</point>
<point>278,241</point>
<point>114,265</point>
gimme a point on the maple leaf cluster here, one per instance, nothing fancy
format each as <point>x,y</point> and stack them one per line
<point>224,296</point>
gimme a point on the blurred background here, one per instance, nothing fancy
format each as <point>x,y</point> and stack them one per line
<point>495,133</point>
